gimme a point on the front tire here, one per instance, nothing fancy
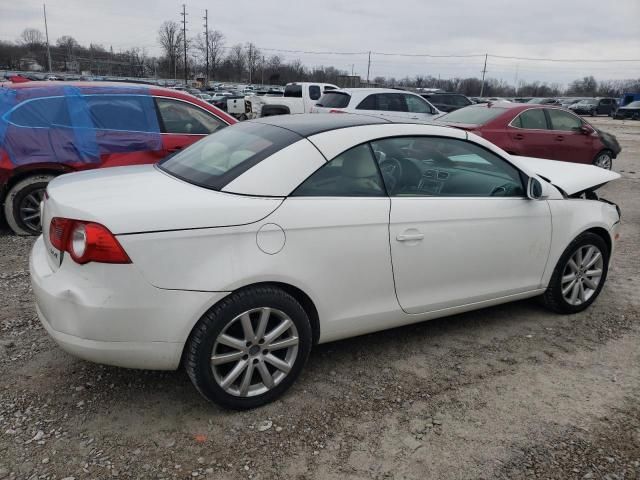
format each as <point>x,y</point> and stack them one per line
<point>579,275</point>
<point>604,159</point>
<point>248,350</point>
<point>22,204</point>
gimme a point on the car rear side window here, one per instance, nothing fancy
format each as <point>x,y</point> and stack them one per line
<point>221,157</point>
<point>334,100</point>
<point>533,119</point>
<point>184,118</point>
<point>41,112</point>
<point>351,174</point>
<point>473,115</point>
<point>122,112</point>
<point>314,92</point>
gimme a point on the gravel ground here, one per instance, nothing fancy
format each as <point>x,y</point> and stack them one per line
<point>506,392</point>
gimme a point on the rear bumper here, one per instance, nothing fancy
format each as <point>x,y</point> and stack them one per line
<point>110,314</point>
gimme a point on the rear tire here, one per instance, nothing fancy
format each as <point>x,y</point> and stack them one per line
<point>229,340</point>
<point>566,295</point>
<point>22,204</point>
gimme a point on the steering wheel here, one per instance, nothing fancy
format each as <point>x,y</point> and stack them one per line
<point>502,190</point>
<point>391,169</point>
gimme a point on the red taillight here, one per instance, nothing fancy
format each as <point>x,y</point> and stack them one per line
<point>86,241</point>
<point>333,110</point>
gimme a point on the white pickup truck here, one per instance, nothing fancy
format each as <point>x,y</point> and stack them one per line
<point>298,97</point>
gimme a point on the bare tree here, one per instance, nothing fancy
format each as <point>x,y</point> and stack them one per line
<point>31,38</point>
<point>170,38</point>
<point>238,60</point>
<point>216,47</point>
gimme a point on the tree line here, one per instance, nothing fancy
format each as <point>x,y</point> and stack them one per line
<point>247,63</point>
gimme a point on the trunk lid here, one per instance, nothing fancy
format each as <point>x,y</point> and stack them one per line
<point>139,199</point>
<point>570,177</point>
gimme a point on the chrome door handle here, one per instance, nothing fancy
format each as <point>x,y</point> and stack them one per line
<point>408,237</point>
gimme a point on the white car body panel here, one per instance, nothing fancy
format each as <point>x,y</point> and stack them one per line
<point>191,246</point>
<point>104,195</point>
<point>474,248</point>
<point>570,177</point>
<point>299,160</point>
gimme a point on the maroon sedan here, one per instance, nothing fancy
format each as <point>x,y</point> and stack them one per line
<point>51,128</point>
<point>537,131</point>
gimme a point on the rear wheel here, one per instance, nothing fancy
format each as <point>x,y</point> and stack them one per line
<point>579,275</point>
<point>604,159</point>
<point>22,204</point>
<point>249,349</point>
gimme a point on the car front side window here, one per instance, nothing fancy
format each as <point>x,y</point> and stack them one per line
<point>351,174</point>
<point>444,167</point>
<point>416,104</point>
<point>183,118</point>
<point>564,121</point>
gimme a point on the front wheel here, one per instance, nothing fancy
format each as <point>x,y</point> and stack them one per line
<point>22,204</point>
<point>604,159</point>
<point>249,349</point>
<point>579,275</point>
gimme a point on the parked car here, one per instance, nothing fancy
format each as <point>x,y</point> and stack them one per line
<point>535,130</point>
<point>567,102</point>
<point>236,256</point>
<point>632,110</point>
<point>594,106</point>
<point>447,102</point>
<point>298,98</point>
<point>395,105</point>
<point>53,128</point>
<point>625,100</point>
<point>544,101</point>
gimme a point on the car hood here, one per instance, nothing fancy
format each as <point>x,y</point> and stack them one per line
<point>571,178</point>
<point>142,198</point>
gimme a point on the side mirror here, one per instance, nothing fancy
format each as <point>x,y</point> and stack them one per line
<point>585,130</point>
<point>537,190</point>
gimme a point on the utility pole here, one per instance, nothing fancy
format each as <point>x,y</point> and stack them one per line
<point>484,71</point>
<point>184,40</point>
<point>262,69</point>
<point>368,67</point>
<point>352,66</point>
<point>250,61</point>
<point>46,31</point>
<point>206,39</point>
<point>516,80</point>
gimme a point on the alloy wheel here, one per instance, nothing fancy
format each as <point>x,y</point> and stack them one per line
<point>582,275</point>
<point>254,352</point>
<point>603,161</point>
<point>29,209</point>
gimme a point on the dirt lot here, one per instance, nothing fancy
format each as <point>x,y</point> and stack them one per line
<point>507,392</point>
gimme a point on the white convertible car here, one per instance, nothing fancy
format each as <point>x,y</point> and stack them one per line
<point>237,255</point>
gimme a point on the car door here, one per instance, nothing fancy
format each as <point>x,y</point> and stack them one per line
<point>570,142</point>
<point>183,123</point>
<point>123,128</point>
<point>461,228</point>
<point>418,108</point>
<point>529,134</point>
<point>337,231</point>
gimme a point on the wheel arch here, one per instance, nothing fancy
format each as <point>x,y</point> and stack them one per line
<point>602,233</point>
<point>302,297</point>
<point>21,174</point>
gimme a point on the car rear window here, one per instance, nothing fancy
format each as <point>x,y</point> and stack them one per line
<point>473,115</point>
<point>334,100</point>
<point>224,155</point>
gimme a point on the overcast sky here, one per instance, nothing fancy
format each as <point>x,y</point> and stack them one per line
<point>562,29</point>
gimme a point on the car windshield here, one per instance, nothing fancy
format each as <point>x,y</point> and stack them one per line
<point>221,157</point>
<point>536,100</point>
<point>588,102</point>
<point>473,115</point>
